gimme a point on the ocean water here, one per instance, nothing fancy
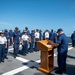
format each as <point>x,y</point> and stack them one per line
<point>69,40</point>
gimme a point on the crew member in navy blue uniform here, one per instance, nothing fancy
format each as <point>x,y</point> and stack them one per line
<point>40,31</point>
<point>6,34</point>
<point>25,40</point>
<point>16,41</point>
<point>3,45</point>
<point>32,36</point>
<point>27,30</point>
<point>44,35</point>
<point>52,37</point>
<point>55,37</point>
<point>10,34</point>
<point>62,48</point>
<point>73,39</point>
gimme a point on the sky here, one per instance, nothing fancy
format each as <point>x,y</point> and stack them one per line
<point>38,14</point>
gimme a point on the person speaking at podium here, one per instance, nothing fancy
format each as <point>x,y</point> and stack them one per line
<point>62,49</point>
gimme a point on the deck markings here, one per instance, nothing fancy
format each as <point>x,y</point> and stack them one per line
<point>20,69</point>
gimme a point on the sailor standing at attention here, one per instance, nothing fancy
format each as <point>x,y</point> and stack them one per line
<point>40,32</point>
<point>25,40</point>
<point>73,39</point>
<point>52,36</point>
<point>46,35</point>
<point>10,34</point>
<point>32,39</point>
<point>28,33</point>
<point>3,45</point>
<point>16,41</point>
<point>6,34</point>
<point>37,38</point>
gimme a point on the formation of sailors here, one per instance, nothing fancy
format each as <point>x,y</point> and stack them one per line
<point>26,39</point>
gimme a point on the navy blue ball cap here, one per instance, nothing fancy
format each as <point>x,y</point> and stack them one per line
<point>26,27</point>
<point>6,30</point>
<point>16,28</point>
<point>59,30</point>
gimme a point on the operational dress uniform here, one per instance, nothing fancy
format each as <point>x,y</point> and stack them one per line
<point>32,40</point>
<point>10,34</point>
<point>16,41</point>
<point>62,49</point>
<point>40,32</point>
<point>52,36</point>
<point>8,42</point>
<point>55,37</point>
<point>43,35</point>
<point>27,31</point>
<point>73,39</point>
<point>25,39</point>
<point>3,41</point>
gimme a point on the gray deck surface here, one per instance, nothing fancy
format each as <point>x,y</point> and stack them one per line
<point>27,65</point>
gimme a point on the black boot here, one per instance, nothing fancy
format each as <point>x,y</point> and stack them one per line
<point>14,55</point>
<point>64,70</point>
<point>6,57</point>
<point>58,72</point>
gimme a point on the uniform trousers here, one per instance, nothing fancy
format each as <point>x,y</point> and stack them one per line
<point>16,48</point>
<point>62,61</point>
<point>25,47</point>
<point>2,52</point>
<point>73,43</point>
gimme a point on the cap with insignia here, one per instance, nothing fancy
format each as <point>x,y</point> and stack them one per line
<point>59,30</point>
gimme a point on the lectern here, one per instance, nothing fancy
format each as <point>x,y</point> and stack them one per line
<point>47,55</point>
